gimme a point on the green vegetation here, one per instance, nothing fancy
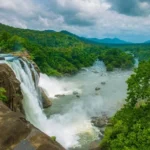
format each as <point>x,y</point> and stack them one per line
<point>130,129</point>
<point>116,58</point>
<point>60,53</point>
<point>53,138</point>
<point>140,51</point>
<point>2,95</point>
<point>139,84</point>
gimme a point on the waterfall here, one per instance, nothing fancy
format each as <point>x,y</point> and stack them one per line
<point>31,93</point>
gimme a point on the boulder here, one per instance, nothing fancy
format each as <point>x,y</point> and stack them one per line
<point>2,58</point>
<point>95,71</point>
<point>103,83</point>
<point>75,93</point>
<point>36,67</point>
<point>97,88</point>
<point>46,100</point>
<point>78,96</point>
<point>60,95</point>
<point>100,122</point>
<point>18,134</point>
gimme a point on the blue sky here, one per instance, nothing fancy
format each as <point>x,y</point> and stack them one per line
<point>125,19</point>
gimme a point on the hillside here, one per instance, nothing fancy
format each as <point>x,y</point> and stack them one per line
<point>147,42</point>
<point>108,41</point>
<point>60,53</point>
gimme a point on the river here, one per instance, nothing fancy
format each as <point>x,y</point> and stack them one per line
<point>69,118</point>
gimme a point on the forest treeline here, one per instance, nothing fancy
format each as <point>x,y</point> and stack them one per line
<point>60,53</point>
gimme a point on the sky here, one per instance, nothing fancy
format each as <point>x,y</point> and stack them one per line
<point>125,19</point>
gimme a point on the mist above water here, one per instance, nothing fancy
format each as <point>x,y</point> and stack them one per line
<point>69,118</point>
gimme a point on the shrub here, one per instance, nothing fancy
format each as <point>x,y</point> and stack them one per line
<point>2,95</point>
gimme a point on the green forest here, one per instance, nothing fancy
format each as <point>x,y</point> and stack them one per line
<point>140,51</point>
<point>130,127</point>
<point>61,53</point>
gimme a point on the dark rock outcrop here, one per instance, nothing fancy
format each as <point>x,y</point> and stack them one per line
<point>10,83</point>
<point>46,100</point>
<point>100,122</point>
<point>97,88</point>
<point>18,134</point>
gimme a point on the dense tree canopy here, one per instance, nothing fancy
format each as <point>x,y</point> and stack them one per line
<point>140,51</point>
<point>59,53</point>
<point>130,129</point>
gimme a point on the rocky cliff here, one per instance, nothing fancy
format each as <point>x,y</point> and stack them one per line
<point>12,86</point>
<point>18,134</point>
<point>15,132</point>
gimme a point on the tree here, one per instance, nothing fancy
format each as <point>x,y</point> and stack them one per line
<point>139,84</point>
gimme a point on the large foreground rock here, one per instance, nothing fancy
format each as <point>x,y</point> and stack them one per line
<point>18,134</point>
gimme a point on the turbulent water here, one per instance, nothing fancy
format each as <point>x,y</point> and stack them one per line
<point>69,119</point>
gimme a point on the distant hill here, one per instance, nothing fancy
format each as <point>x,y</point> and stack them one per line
<point>147,42</point>
<point>49,31</point>
<point>68,33</point>
<point>93,40</point>
<point>108,41</point>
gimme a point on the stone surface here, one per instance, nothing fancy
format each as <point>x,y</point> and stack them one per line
<point>18,134</point>
<point>12,86</point>
<point>100,122</point>
<point>97,88</point>
<point>46,100</point>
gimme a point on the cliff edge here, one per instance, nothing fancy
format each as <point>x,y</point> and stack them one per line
<point>15,132</point>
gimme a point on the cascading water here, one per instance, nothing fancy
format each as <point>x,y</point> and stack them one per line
<point>69,119</point>
<point>31,94</point>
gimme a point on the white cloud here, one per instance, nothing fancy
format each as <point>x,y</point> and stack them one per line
<point>91,18</point>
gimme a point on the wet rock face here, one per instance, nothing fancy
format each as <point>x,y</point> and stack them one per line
<point>100,122</point>
<point>97,88</point>
<point>10,83</point>
<point>46,100</point>
<point>18,134</point>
